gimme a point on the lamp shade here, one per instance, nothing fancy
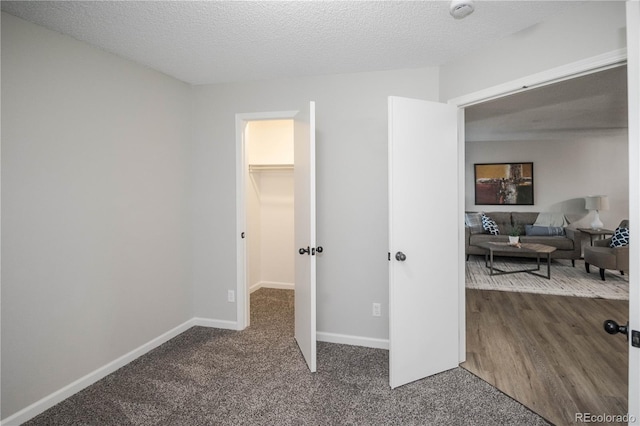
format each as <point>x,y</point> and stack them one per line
<point>596,202</point>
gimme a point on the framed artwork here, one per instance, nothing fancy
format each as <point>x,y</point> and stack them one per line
<point>504,183</point>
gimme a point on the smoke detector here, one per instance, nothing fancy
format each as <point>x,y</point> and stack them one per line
<point>461,8</point>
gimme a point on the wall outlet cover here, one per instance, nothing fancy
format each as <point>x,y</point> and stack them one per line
<point>376,310</point>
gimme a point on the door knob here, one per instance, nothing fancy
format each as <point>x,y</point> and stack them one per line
<point>612,327</point>
<point>400,256</point>
<point>319,249</point>
<point>304,250</point>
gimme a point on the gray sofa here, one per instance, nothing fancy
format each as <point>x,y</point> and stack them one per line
<point>568,246</point>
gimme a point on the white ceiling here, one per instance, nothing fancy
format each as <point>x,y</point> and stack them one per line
<point>202,42</point>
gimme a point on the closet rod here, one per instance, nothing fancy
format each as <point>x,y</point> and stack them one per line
<point>261,167</point>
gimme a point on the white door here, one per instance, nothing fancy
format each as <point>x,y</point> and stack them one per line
<point>423,239</point>
<point>305,233</point>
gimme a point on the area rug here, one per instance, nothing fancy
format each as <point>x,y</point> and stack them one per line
<point>565,279</point>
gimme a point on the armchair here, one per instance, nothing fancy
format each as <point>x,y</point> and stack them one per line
<point>605,257</point>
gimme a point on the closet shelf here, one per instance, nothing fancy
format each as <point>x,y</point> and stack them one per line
<point>268,167</point>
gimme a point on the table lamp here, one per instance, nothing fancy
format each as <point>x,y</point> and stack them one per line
<point>597,203</point>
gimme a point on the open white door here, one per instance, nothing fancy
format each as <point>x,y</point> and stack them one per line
<point>305,233</point>
<point>423,240</point>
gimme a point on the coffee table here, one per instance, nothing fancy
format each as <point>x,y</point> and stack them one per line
<point>506,249</point>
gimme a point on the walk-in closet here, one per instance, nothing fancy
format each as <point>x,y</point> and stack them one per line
<point>269,204</point>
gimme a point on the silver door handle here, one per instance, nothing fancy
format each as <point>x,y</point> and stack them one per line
<point>400,256</point>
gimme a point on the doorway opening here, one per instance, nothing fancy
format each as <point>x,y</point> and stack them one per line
<point>303,141</point>
<point>269,207</point>
<point>548,331</point>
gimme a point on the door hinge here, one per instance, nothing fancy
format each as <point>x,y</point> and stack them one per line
<point>242,235</point>
<point>389,256</point>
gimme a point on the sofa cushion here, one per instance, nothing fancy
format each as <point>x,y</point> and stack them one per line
<point>620,237</point>
<point>502,219</point>
<point>544,230</point>
<point>473,221</point>
<point>524,218</point>
<point>476,239</point>
<point>521,219</point>
<point>551,219</point>
<point>489,225</point>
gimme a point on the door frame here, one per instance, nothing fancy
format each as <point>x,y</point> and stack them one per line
<point>633,89</point>
<point>243,312</point>
<point>572,70</point>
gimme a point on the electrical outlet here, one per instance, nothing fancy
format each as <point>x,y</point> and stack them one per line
<point>231,296</point>
<point>376,309</point>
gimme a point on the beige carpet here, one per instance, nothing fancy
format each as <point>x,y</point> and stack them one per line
<point>565,279</point>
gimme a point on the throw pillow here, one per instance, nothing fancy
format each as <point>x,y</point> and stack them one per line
<point>546,231</point>
<point>620,237</point>
<point>474,222</point>
<point>490,225</point>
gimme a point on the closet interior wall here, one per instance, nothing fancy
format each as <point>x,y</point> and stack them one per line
<point>269,204</point>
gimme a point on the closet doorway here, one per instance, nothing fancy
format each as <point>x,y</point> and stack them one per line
<point>298,252</point>
<point>269,204</point>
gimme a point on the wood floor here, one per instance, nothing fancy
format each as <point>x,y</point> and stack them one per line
<point>549,352</point>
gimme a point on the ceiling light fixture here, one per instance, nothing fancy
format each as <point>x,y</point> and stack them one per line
<point>461,8</point>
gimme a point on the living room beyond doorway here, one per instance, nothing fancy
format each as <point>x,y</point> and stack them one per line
<point>549,351</point>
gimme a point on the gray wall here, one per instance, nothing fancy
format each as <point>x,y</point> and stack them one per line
<point>351,189</point>
<point>94,218</point>
<point>118,199</point>
<point>565,171</point>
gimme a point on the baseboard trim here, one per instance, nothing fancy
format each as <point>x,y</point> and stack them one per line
<point>344,339</point>
<point>60,395</point>
<point>271,284</point>
<point>214,323</point>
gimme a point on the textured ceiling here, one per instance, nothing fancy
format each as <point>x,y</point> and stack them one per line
<point>594,102</point>
<point>203,42</point>
<point>223,41</point>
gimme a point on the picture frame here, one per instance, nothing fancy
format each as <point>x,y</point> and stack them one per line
<point>503,183</point>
